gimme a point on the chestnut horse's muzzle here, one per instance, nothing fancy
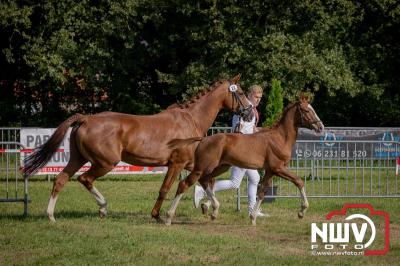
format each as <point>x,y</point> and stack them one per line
<point>317,126</point>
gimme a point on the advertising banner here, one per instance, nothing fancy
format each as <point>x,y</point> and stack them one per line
<point>336,143</point>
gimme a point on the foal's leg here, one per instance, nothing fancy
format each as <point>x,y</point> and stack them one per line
<point>207,182</point>
<point>87,179</point>
<point>267,181</point>
<point>170,177</point>
<point>183,186</point>
<point>206,205</point>
<point>285,173</point>
<point>60,180</point>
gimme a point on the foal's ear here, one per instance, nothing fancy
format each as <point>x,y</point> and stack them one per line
<point>236,78</point>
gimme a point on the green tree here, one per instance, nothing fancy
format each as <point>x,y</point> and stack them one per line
<point>139,56</point>
<point>274,103</point>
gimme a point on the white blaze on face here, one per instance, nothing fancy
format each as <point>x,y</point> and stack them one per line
<point>316,116</point>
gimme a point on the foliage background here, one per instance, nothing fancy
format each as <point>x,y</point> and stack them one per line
<point>275,103</point>
<point>139,56</point>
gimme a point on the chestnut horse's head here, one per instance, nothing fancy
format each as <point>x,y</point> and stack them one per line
<point>235,99</point>
<point>308,118</point>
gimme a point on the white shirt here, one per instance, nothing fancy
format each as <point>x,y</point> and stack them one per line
<point>246,127</point>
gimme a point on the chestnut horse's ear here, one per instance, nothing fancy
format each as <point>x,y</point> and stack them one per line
<point>236,78</point>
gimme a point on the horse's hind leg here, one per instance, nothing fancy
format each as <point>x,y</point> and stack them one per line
<point>207,182</point>
<point>182,187</point>
<point>87,180</point>
<point>170,177</point>
<point>61,179</point>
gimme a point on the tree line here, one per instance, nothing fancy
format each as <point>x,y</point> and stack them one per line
<point>139,56</point>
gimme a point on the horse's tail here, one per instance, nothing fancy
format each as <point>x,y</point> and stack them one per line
<point>42,154</point>
<point>178,143</point>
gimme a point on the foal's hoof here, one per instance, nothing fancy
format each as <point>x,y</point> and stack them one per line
<point>102,213</point>
<point>213,217</point>
<point>52,219</point>
<point>169,218</point>
<point>204,209</point>
<point>253,219</point>
<point>300,215</point>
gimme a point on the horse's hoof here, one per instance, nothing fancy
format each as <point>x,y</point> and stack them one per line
<point>204,209</point>
<point>301,215</point>
<point>168,222</point>
<point>213,217</point>
<point>52,219</point>
<point>253,219</point>
<point>102,213</point>
<point>159,220</point>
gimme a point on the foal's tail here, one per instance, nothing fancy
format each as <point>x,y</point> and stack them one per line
<point>178,143</point>
<point>42,154</point>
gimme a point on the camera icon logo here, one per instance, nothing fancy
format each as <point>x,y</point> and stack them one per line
<point>349,237</point>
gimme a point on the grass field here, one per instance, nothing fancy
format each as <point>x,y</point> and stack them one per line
<point>129,236</point>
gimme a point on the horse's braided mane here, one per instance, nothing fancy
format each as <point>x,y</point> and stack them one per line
<point>196,96</point>
<point>278,119</point>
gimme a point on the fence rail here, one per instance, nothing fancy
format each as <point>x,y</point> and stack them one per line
<point>341,169</point>
<point>13,185</point>
<point>330,168</point>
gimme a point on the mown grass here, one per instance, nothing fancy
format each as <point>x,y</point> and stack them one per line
<point>129,236</point>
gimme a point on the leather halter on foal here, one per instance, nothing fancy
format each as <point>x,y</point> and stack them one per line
<point>245,112</point>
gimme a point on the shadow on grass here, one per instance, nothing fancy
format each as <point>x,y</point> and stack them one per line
<point>136,217</point>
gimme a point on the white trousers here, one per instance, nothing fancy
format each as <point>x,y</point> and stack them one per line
<point>236,178</point>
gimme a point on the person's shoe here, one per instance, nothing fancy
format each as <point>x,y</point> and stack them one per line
<point>198,195</point>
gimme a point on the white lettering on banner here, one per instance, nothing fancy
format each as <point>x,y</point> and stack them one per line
<point>32,138</point>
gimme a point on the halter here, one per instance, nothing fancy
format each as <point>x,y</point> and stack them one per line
<point>243,111</point>
<point>302,117</point>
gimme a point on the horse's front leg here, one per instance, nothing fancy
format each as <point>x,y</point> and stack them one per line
<point>285,173</point>
<point>304,205</point>
<point>173,171</point>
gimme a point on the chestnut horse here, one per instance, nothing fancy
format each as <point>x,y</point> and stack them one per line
<point>270,148</point>
<point>107,138</point>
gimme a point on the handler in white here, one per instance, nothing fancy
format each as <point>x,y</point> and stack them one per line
<point>237,174</point>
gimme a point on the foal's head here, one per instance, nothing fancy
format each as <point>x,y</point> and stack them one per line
<point>307,117</point>
<point>235,99</point>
